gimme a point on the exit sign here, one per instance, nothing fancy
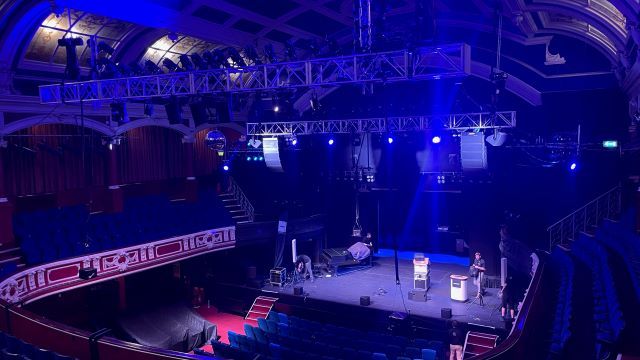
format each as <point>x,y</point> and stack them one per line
<point>610,144</point>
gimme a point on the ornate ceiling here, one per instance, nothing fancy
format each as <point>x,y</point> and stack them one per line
<point>551,45</point>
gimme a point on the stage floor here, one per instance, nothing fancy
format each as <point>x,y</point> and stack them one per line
<point>379,283</point>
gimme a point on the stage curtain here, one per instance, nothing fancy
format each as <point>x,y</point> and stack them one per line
<point>48,158</point>
<point>206,160</point>
<point>151,153</point>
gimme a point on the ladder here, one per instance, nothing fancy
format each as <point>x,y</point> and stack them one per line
<point>261,307</point>
<point>477,343</point>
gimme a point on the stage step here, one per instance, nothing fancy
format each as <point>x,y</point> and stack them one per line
<point>478,343</point>
<point>261,307</point>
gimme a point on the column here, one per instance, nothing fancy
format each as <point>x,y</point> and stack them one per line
<point>6,210</point>
<point>122,293</point>
<point>191,184</point>
<point>114,200</point>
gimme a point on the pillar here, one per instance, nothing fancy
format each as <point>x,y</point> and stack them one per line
<point>191,184</point>
<point>114,201</point>
<point>6,210</point>
<point>122,293</point>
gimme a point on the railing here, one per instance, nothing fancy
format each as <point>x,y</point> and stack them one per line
<point>606,205</point>
<point>241,198</point>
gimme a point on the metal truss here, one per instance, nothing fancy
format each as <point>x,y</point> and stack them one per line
<point>422,63</point>
<point>502,119</point>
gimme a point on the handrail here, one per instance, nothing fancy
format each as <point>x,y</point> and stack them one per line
<point>241,198</point>
<point>604,206</point>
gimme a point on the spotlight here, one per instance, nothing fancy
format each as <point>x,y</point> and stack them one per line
<point>294,140</point>
<point>276,108</point>
<point>225,167</point>
<point>331,141</point>
<point>260,158</point>
<point>169,64</point>
<point>390,139</point>
<point>186,63</point>
<point>248,158</point>
<point>436,139</point>
<point>573,166</point>
<point>255,158</point>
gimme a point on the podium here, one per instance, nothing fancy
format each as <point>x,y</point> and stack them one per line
<point>459,287</point>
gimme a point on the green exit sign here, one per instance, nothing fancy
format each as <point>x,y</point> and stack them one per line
<point>610,144</point>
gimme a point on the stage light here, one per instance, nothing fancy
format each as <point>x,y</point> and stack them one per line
<point>390,139</point>
<point>276,108</point>
<point>610,144</point>
<point>294,141</point>
<point>248,158</point>
<point>436,139</point>
<point>331,141</point>
<point>225,168</point>
<point>169,64</point>
<point>573,166</point>
<point>255,158</point>
<point>260,158</point>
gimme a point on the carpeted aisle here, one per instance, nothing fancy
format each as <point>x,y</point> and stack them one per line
<point>224,321</point>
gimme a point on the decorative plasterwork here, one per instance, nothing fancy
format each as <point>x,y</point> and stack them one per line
<point>47,279</point>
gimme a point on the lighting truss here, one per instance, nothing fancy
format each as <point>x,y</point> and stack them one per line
<point>460,122</point>
<point>421,64</point>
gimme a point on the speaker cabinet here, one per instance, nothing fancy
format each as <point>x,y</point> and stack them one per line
<point>365,300</point>
<point>418,295</point>
<point>445,313</point>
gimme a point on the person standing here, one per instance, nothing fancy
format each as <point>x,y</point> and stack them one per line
<point>479,269</point>
<point>456,340</point>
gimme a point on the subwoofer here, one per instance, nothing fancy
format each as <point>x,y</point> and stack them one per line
<point>445,313</point>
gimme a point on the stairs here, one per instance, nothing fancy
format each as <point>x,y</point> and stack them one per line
<point>11,255</point>
<point>478,343</point>
<point>260,309</point>
<point>238,214</point>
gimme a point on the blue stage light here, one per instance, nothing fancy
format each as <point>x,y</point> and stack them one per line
<point>255,158</point>
<point>260,158</point>
<point>390,139</point>
<point>331,141</point>
<point>225,168</point>
<point>294,141</point>
<point>248,158</point>
<point>436,139</point>
<point>573,166</point>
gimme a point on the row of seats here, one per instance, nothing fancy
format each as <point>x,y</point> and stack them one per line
<point>45,236</point>
<point>619,238</point>
<point>565,269</point>
<point>607,312</point>
<point>14,348</point>
<point>344,336</point>
<point>289,343</point>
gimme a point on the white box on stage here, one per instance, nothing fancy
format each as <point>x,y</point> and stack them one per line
<point>459,287</point>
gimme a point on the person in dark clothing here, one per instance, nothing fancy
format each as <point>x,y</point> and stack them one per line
<point>303,267</point>
<point>508,300</point>
<point>456,340</point>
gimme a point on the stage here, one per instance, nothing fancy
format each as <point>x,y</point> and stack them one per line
<point>379,283</point>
